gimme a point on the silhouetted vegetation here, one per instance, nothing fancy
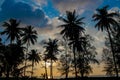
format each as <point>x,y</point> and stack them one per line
<point>72,31</point>
<point>51,52</point>
<point>106,21</point>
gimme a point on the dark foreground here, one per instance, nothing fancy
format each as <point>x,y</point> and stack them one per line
<point>87,78</point>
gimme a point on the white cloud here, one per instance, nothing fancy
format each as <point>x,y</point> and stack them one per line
<point>34,3</point>
<point>49,31</point>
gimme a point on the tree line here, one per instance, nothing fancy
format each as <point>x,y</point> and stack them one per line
<point>77,52</point>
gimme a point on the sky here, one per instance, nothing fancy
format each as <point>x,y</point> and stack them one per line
<point>43,15</point>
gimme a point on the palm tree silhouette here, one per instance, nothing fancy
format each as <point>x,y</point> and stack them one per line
<point>72,30</point>
<point>51,49</point>
<point>34,57</point>
<point>12,30</point>
<point>72,26</point>
<point>106,21</point>
<point>29,37</point>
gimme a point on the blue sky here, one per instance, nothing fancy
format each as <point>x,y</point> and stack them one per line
<point>43,13</point>
<point>34,12</point>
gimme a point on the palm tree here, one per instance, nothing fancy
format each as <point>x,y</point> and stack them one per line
<point>34,57</point>
<point>72,25</point>
<point>106,21</point>
<point>51,49</point>
<point>12,30</point>
<point>29,37</point>
<point>72,29</point>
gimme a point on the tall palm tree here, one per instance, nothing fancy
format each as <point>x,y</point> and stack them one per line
<point>51,49</point>
<point>29,37</point>
<point>72,29</point>
<point>105,21</point>
<point>34,57</point>
<point>12,30</point>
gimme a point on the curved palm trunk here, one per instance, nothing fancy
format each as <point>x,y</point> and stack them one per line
<point>51,73</point>
<point>46,76</point>
<point>113,53</point>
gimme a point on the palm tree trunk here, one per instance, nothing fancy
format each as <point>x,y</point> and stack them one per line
<point>26,60</point>
<point>66,72</point>
<point>8,72</point>
<point>8,66</point>
<point>66,60</point>
<point>51,73</point>
<point>113,53</point>
<point>25,66</point>
<point>46,76</point>
<point>75,65</point>
<point>32,69</point>
<point>82,74</point>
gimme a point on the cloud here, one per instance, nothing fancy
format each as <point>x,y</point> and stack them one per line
<point>24,12</point>
<point>84,8</point>
<point>80,5</point>
<point>34,3</point>
<point>50,31</point>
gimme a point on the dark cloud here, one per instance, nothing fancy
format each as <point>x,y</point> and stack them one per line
<point>22,11</point>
